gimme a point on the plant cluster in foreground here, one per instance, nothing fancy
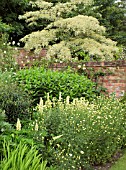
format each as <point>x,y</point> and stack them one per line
<point>79,134</point>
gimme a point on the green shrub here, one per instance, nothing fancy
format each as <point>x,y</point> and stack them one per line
<point>4,126</point>
<point>38,82</point>
<point>81,134</point>
<point>14,101</point>
<point>123,99</point>
<point>5,77</point>
<point>21,157</point>
<point>7,55</point>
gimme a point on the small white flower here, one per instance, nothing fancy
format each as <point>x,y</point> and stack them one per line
<point>2,130</point>
<point>18,44</point>
<point>82,152</point>
<point>70,154</point>
<point>58,14</point>
<point>84,68</point>
<point>28,61</point>
<point>13,42</point>
<point>79,66</point>
<point>5,52</point>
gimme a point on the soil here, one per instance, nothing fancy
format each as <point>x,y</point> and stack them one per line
<point>108,165</point>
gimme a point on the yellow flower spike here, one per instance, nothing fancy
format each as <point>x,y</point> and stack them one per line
<point>60,98</point>
<point>53,101</point>
<point>47,96</point>
<point>61,105</point>
<point>74,101</point>
<point>57,137</point>
<point>40,106</point>
<point>67,100</point>
<point>48,102</point>
<point>36,126</point>
<point>18,124</point>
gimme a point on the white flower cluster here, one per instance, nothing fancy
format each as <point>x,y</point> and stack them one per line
<point>39,39</point>
<point>41,4</point>
<point>50,12</point>
<point>83,32</point>
<point>60,51</point>
<point>81,25</point>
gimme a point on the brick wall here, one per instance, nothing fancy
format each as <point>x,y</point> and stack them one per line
<point>26,58</point>
<point>114,78</point>
<point>111,75</point>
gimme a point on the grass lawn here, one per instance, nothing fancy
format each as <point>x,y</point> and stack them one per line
<point>120,164</point>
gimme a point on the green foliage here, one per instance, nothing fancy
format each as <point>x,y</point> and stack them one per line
<point>14,101</point>
<point>37,82</point>
<point>7,55</point>
<point>123,99</point>
<point>4,28</point>
<point>27,138</point>
<point>21,157</point>
<point>4,126</point>
<point>9,11</point>
<point>82,134</point>
<point>112,16</point>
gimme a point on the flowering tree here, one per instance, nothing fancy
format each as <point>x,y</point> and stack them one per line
<point>66,37</point>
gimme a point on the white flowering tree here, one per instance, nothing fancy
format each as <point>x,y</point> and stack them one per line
<point>66,37</point>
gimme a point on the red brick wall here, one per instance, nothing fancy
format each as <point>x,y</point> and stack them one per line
<point>115,76</point>
<point>112,74</point>
<point>25,58</point>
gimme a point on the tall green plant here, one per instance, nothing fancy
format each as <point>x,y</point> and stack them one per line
<point>21,157</point>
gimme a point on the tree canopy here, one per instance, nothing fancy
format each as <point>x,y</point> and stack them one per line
<point>9,22</point>
<point>66,37</point>
<point>42,15</point>
<point>112,15</point>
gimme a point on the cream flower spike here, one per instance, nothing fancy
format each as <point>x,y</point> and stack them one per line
<point>18,124</point>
